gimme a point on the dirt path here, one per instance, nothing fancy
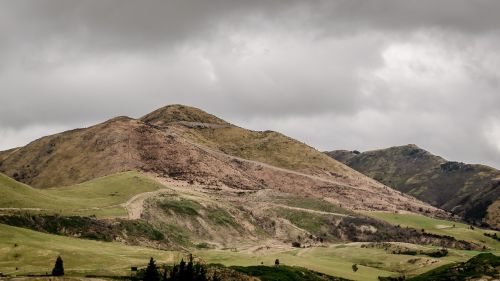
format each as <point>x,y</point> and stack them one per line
<point>376,188</point>
<point>232,157</point>
<point>135,205</point>
<point>21,209</point>
<point>308,210</point>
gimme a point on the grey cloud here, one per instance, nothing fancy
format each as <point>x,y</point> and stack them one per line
<point>320,70</point>
<point>127,24</point>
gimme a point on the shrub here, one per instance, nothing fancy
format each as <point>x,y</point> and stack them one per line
<point>354,267</point>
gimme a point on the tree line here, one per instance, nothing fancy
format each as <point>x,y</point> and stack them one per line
<point>183,271</point>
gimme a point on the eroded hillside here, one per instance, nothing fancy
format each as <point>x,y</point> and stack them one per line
<point>182,143</point>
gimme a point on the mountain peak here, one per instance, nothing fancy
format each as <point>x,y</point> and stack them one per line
<point>180,113</point>
<point>411,145</point>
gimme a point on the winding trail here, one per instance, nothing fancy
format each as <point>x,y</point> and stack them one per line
<point>308,210</point>
<point>135,205</point>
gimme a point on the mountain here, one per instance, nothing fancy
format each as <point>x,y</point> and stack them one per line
<point>188,144</point>
<point>185,181</point>
<point>470,191</point>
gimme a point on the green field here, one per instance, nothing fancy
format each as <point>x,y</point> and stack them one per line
<point>36,252</point>
<point>458,230</point>
<point>310,203</point>
<point>337,260</point>
<point>100,197</point>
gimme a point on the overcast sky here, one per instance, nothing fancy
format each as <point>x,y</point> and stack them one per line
<point>344,74</point>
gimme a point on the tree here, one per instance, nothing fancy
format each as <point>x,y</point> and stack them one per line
<point>174,275</point>
<point>189,269</point>
<point>151,273</point>
<point>182,269</point>
<point>354,267</point>
<point>165,274</point>
<point>200,272</point>
<point>58,267</point>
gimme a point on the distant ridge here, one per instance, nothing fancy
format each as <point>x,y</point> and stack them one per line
<point>470,191</point>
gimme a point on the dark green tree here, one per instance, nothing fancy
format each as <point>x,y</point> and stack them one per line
<point>200,273</point>
<point>174,275</point>
<point>182,269</point>
<point>188,271</point>
<point>165,274</point>
<point>151,273</point>
<point>58,269</point>
<point>189,276</point>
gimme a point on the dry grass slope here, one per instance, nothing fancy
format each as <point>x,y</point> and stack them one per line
<point>180,144</point>
<point>180,113</point>
<point>102,196</point>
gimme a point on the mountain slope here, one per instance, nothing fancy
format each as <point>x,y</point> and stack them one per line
<point>484,266</point>
<point>175,214</point>
<point>103,196</point>
<point>467,190</point>
<point>183,114</point>
<point>180,144</point>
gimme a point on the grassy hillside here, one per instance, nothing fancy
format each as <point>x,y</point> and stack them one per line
<point>73,156</point>
<point>180,113</point>
<point>442,227</point>
<point>480,267</point>
<point>35,252</point>
<point>191,217</point>
<point>184,143</point>
<point>394,166</point>
<point>14,194</point>
<point>101,196</point>
<point>337,260</point>
<point>284,273</point>
<point>268,147</point>
<point>467,190</point>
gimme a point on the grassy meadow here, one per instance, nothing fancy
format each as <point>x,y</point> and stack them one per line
<point>458,230</point>
<point>101,197</point>
<point>34,252</point>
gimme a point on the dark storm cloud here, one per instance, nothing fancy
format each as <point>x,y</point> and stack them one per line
<point>96,25</point>
<point>337,74</point>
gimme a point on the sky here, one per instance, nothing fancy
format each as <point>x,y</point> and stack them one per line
<point>335,74</point>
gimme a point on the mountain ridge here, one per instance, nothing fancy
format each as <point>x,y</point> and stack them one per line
<point>206,155</point>
<point>469,190</point>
